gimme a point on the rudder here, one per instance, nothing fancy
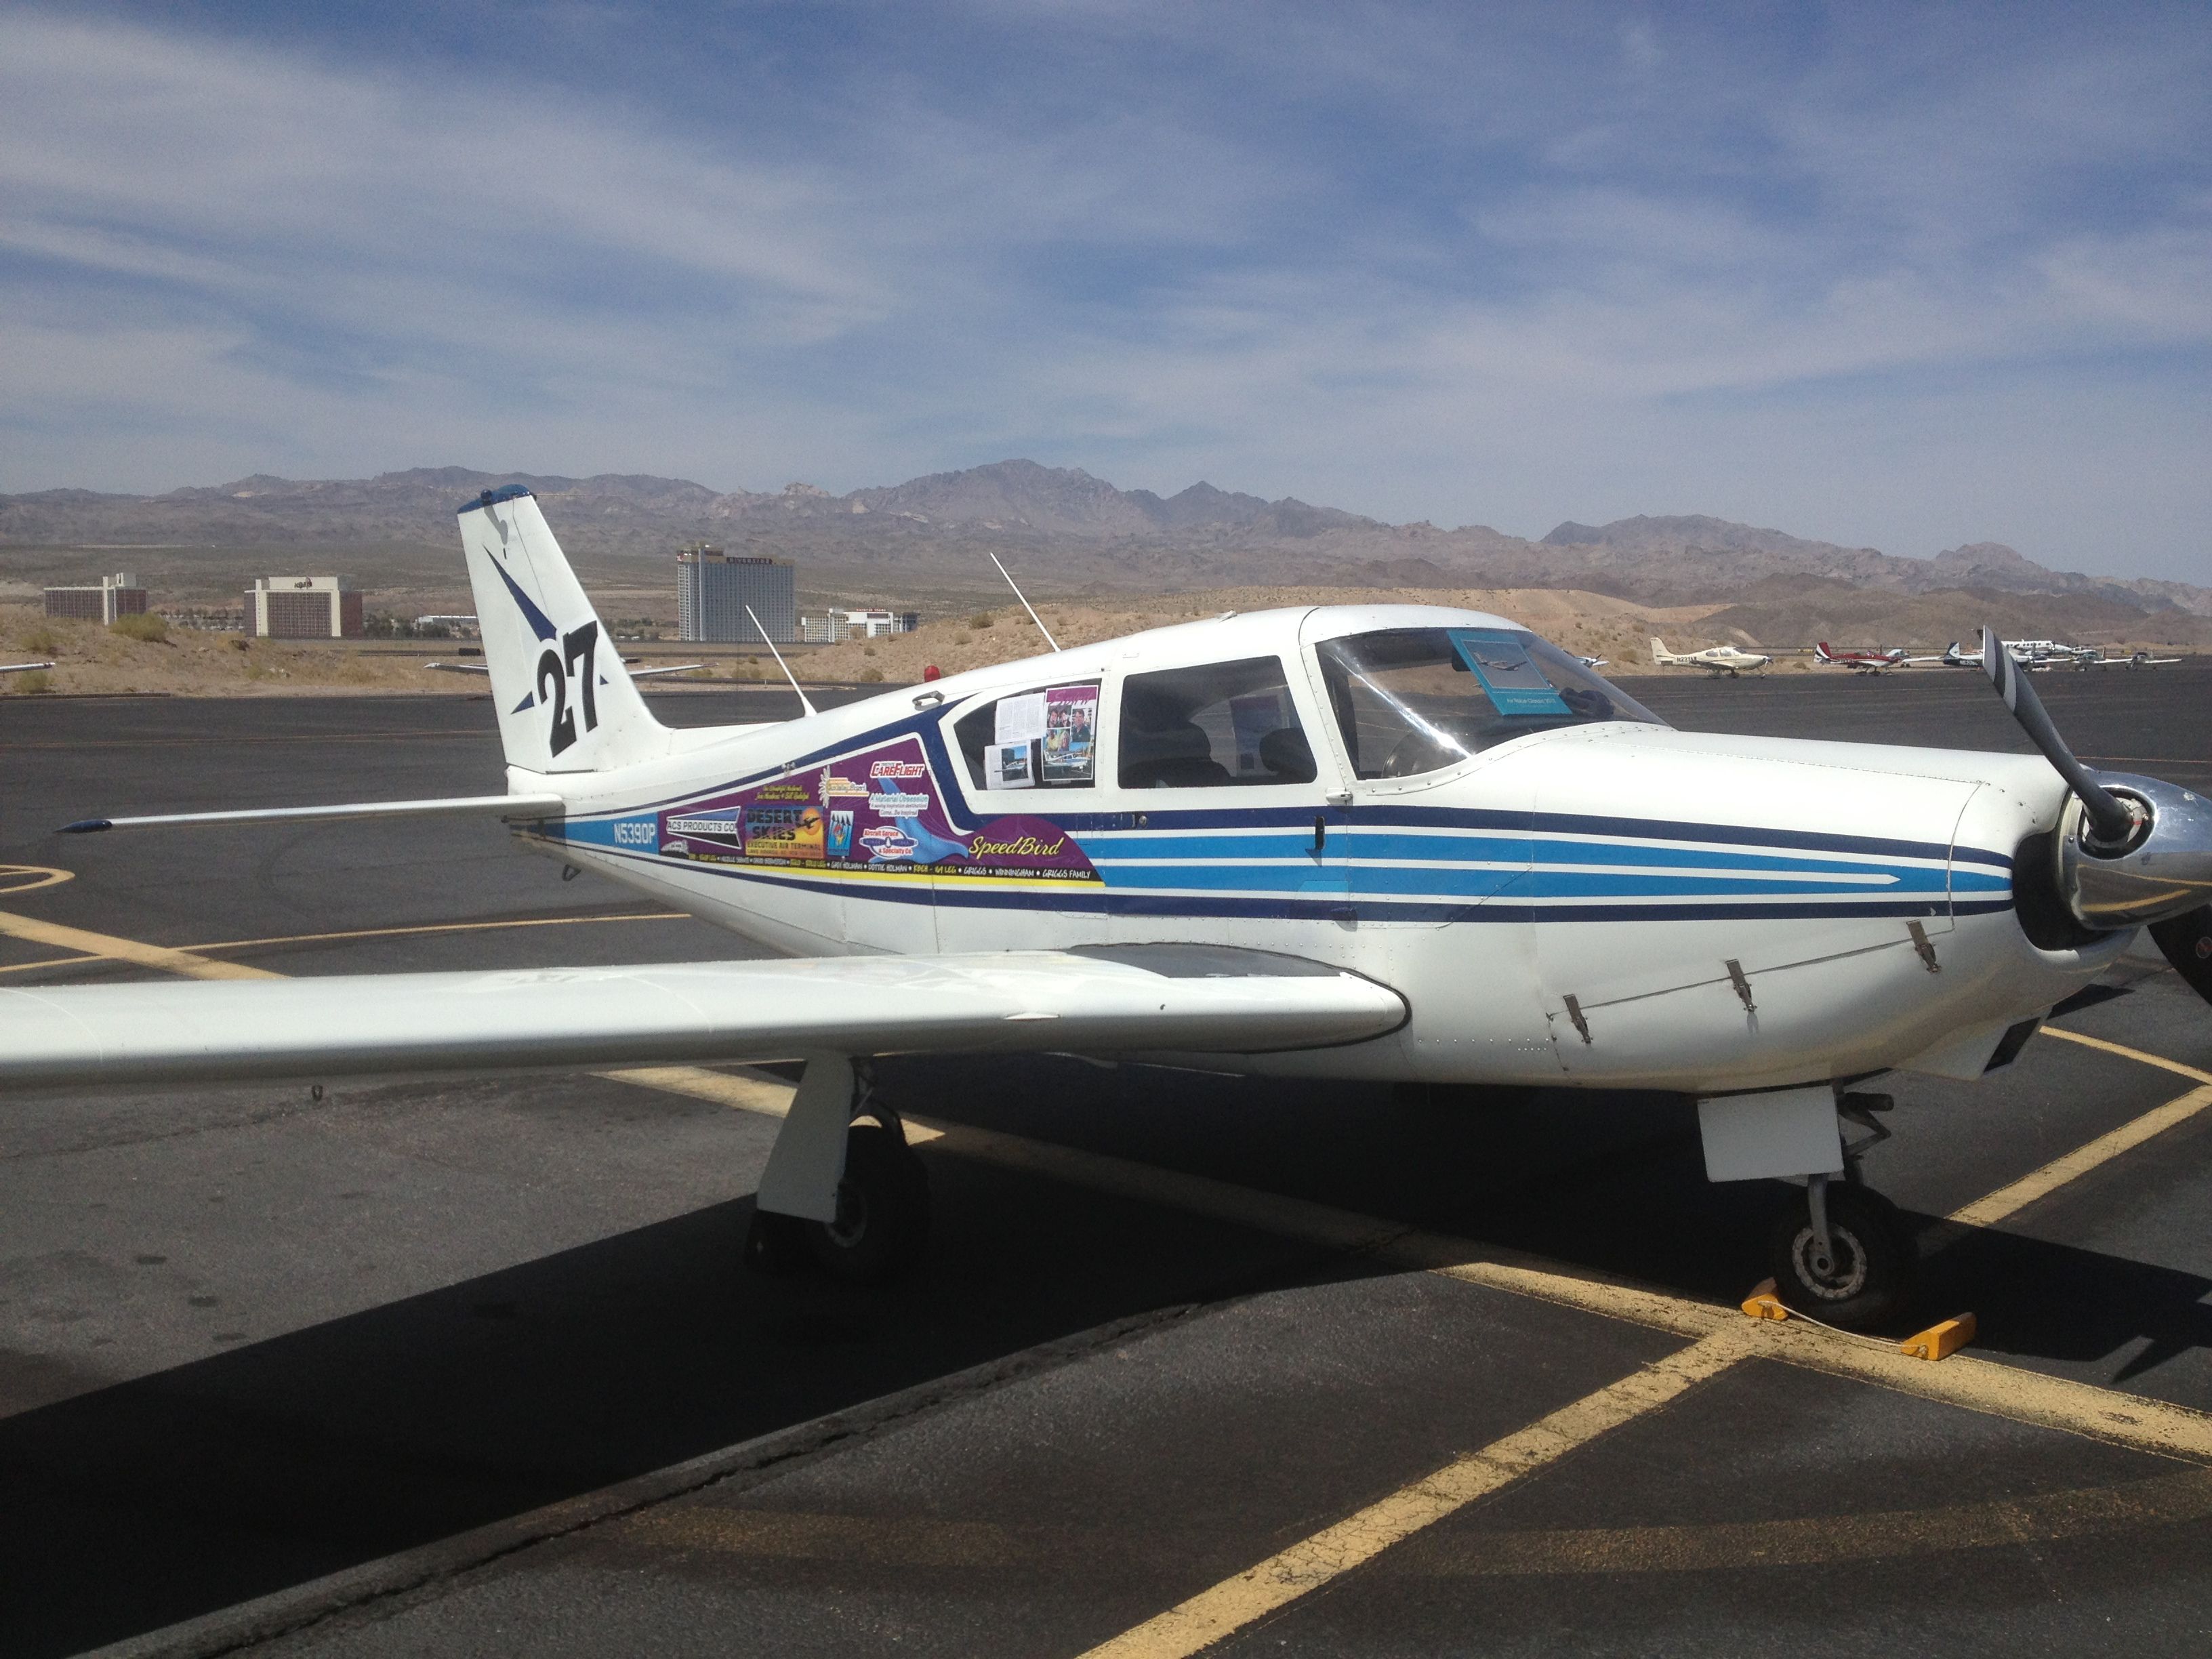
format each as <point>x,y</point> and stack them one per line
<point>565,704</point>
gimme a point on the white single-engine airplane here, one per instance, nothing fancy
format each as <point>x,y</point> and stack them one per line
<point>1720,659</point>
<point>1363,842</point>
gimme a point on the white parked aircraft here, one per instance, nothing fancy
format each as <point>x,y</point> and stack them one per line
<point>2099,659</point>
<point>1949,656</point>
<point>1363,842</point>
<point>1720,659</point>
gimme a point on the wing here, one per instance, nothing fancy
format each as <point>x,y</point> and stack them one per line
<point>1095,1000</point>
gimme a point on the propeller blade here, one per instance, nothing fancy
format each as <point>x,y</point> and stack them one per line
<point>2187,941</point>
<point>2114,824</point>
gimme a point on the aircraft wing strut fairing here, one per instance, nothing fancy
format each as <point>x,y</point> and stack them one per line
<point>1384,841</point>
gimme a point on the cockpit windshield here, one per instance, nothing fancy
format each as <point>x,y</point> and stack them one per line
<point>1415,700</point>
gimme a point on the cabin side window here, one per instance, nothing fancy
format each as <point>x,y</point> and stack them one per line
<point>1225,724</point>
<point>1042,739</point>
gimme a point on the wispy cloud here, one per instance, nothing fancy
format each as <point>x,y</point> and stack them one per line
<point>1902,276</point>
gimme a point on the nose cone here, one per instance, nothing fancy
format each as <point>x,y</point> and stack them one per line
<point>2167,872</point>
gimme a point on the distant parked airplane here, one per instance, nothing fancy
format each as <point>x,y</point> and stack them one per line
<point>1951,657</point>
<point>1860,662</point>
<point>1719,659</point>
<point>2140,660</point>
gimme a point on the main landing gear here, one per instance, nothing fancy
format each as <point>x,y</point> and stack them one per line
<point>876,1221</point>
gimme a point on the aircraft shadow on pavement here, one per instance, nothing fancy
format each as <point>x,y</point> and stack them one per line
<point>263,1467</point>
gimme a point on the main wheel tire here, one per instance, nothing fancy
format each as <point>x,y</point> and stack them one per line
<point>882,1209</point>
<point>1871,1271</point>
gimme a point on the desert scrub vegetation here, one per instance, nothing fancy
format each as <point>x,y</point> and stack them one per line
<point>39,638</point>
<point>149,628</point>
<point>30,683</point>
<point>982,619</point>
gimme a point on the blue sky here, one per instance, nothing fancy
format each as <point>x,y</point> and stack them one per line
<point>1895,276</point>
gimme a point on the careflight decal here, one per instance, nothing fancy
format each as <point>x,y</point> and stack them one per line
<point>877,811</point>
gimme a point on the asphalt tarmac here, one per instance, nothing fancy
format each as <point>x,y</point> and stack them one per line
<point>417,1367</point>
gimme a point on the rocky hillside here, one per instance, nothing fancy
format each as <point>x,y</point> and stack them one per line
<point>1066,530</point>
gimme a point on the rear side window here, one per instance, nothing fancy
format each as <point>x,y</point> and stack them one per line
<point>1042,739</point>
<point>1224,725</point>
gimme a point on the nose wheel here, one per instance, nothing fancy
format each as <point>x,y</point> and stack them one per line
<point>1842,1256</point>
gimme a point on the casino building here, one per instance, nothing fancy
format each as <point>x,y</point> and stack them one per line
<point>713,590</point>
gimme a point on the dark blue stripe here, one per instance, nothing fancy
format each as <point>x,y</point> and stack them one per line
<point>1055,896</point>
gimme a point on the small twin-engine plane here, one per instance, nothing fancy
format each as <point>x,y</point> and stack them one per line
<point>1719,659</point>
<point>1860,662</point>
<point>1386,841</point>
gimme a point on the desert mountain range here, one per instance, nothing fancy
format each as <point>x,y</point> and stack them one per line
<point>1066,530</point>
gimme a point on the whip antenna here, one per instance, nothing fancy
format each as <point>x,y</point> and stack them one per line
<point>1026,605</point>
<point>780,663</point>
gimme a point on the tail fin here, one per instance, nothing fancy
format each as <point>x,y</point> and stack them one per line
<point>565,704</point>
<point>1821,651</point>
<point>1659,651</point>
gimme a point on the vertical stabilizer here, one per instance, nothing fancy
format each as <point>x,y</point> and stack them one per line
<point>1659,653</point>
<point>565,703</point>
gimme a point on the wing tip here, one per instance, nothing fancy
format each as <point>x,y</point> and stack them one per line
<point>86,827</point>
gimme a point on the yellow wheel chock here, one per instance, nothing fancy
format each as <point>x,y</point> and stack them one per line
<point>1938,1341</point>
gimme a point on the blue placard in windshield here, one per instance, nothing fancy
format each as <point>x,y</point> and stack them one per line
<point>1515,684</point>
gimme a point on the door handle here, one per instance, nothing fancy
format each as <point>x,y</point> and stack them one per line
<point>1321,832</point>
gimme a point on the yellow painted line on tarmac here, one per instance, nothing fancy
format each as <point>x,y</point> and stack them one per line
<point>2138,1055</point>
<point>2006,1200</point>
<point>29,877</point>
<point>1978,1385</point>
<point>185,964</point>
<point>440,928</point>
<point>1270,1585</point>
<point>749,1533</point>
<point>364,933</point>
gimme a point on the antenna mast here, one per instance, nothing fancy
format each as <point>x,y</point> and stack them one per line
<point>1026,605</point>
<point>779,662</point>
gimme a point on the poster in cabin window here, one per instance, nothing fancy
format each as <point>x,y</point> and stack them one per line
<point>1071,733</point>
<point>1006,766</point>
<point>1019,719</point>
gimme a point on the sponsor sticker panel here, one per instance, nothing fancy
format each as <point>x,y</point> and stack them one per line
<point>880,809</point>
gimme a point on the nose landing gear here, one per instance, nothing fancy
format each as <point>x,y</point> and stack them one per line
<point>1844,1256</point>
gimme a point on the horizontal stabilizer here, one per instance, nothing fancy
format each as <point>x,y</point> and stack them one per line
<point>634,673</point>
<point>502,806</point>
<point>1105,999</point>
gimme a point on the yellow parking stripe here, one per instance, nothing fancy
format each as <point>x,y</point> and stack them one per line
<point>1980,1385</point>
<point>2125,1053</point>
<point>1282,1578</point>
<point>1988,1211</point>
<point>169,961</point>
<point>361,933</point>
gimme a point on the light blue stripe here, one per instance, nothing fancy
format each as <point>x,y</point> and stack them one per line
<point>1518,882</point>
<point>1345,841</point>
